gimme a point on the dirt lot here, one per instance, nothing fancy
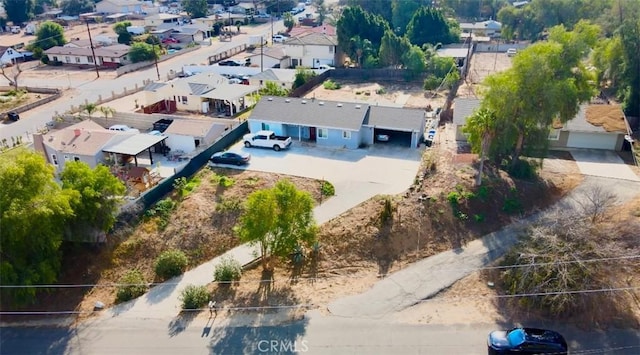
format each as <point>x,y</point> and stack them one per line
<point>482,65</point>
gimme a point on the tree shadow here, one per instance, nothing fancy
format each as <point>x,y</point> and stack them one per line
<point>180,322</point>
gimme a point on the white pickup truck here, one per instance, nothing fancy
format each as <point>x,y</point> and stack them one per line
<point>266,139</point>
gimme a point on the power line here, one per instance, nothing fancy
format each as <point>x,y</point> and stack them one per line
<point>503,267</point>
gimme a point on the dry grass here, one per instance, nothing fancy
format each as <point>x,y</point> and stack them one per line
<point>609,117</point>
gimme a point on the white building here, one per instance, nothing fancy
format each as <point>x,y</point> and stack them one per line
<point>119,6</point>
<point>311,50</point>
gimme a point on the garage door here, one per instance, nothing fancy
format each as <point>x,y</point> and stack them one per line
<point>592,140</point>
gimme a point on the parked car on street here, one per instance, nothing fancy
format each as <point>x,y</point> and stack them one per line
<point>511,52</point>
<point>279,38</point>
<point>13,116</point>
<point>230,157</point>
<point>526,341</point>
<point>231,63</point>
<point>266,139</point>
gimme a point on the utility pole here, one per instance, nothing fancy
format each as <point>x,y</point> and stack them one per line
<point>262,53</point>
<point>93,52</point>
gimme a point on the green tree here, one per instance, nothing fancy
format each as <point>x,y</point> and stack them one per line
<point>39,5</point>
<point>357,23</point>
<point>49,34</point>
<point>76,7</point>
<point>414,61</point>
<point>279,219</point>
<point>89,108</point>
<point>546,84</point>
<point>288,21</point>
<point>428,25</point>
<point>302,76</point>
<point>392,49</point>
<point>96,197</point>
<point>120,28</point>
<point>195,8</point>
<point>107,111</point>
<point>33,212</point>
<point>142,51</point>
<point>271,88</point>
<point>18,11</point>
<point>480,127</point>
<point>402,11</point>
<point>360,48</point>
<point>629,90</point>
<point>382,8</point>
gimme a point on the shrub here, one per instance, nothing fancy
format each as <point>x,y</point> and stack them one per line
<point>222,180</point>
<point>524,169</point>
<point>232,204</point>
<point>431,82</point>
<point>331,85</point>
<point>454,198</point>
<point>387,211</point>
<point>228,270</point>
<point>162,210</point>
<point>194,297</point>
<point>133,286</point>
<point>478,217</point>
<point>171,263</point>
<point>327,189</point>
<point>483,193</point>
<point>512,205</point>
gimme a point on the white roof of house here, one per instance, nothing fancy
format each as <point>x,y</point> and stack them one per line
<point>191,127</point>
<point>453,52</point>
<point>135,144</point>
<point>484,25</point>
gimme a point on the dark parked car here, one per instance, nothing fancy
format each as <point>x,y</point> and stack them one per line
<point>526,341</point>
<point>13,116</point>
<point>228,157</point>
<point>231,63</point>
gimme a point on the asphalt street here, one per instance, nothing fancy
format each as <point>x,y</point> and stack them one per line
<point>315,334</point>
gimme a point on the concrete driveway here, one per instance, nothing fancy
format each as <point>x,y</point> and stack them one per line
<point>357,175</point>
<point>603,163</point>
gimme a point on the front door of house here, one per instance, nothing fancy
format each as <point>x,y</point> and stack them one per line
<point>312,134</point>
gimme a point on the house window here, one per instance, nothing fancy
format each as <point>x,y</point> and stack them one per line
<point>554,135</point>
<point>330,49</point>
<point>67,59</point>
<point>66,158</point>
<point>54,159</point>
<point>197,141</point>
<point>184,99</point>
<point>55,59</point>
<point>90,59</point>
<point>323,133</point>
<point>76,158</point>
<point>77,59</point>
<point>265,126</point>
<point>346,134</point>
<point>260,82</point>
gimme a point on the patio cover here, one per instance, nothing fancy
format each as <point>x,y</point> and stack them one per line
<point>135,144</point>
<point>230,92</point>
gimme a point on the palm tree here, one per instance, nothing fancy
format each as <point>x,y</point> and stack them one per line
<point>106,111</point>
<point>89,108</point>
<point>482,124</point>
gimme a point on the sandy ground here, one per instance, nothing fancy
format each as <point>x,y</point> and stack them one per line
<point>482,65</point>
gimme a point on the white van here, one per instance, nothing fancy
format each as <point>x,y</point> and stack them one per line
<point>511,52</point>
<point>123,128</point>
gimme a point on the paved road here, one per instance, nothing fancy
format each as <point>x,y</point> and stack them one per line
<point>89,90</point>
<point>313,335</point>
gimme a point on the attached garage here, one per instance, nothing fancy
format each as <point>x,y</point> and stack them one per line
<point>397,126</point>
<point>607,141</point>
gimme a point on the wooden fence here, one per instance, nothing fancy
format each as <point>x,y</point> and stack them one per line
<point>227,54</point>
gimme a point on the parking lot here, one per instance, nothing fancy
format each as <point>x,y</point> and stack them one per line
<point>357,175</point>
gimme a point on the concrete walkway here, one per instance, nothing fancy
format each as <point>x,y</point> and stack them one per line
<point>427,277</point>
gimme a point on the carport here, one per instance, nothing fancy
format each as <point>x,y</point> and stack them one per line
<point>404,127</point>
<point>136,144</point>
<point>228,98</point>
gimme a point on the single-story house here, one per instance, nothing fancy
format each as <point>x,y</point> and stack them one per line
<point>458,53</point>
<point>596,126</point>
<point>82,141</point>
<point>187,135</point>
<point>10,55</point>
<point>268,57</point>
<point>337,124</point>
<point>282,77</point>
<point>189,34</point>
<point>109,56</point>
<point>158,19</point>
<point>119,6</point>
<point>488,28</point>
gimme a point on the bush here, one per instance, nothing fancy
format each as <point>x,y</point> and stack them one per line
<point>327,189</point>
<point>431,82</point>
<point>331,85</point>
<point>135,286</point>
<point>194,297</point>
<point>454,198</point>
<point>222,180</point>
<point>228,270</point>
<point>524,169</point>
<point>171,263</point>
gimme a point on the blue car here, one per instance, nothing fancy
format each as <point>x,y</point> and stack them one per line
<point>526,341</point>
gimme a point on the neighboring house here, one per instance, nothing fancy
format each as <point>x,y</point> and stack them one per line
<point>282,77</point>
<point>336,124</point>
<point>203,92</point>
<point>576,133</point>
<point>189,34</point>
<point>243,9</point>
<point>10,55</point>
<point>324,29</point>
<point>311,50</point>
<point>110,56</point>
<point>82,141</point>
<point>269,57</point>
<point>488,28</point>
<point>187,135</point>
<point>459,54</point>
<point>119,6</point>
<point>158,19</point>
